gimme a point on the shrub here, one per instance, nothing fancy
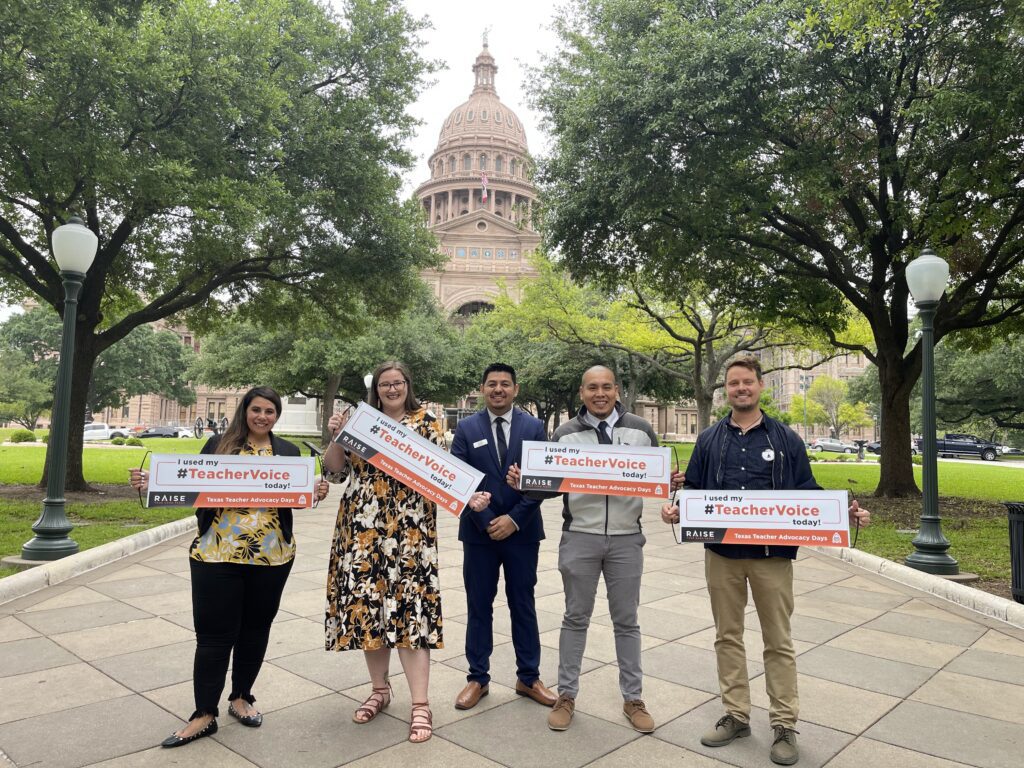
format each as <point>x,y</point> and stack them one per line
<point>23,436</point>
<point>916,459</point>
<point>117,441</point>
<point>133,441</point>
<point>812,457</point>
<point>45,438</point>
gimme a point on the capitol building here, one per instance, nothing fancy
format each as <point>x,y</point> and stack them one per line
<point>479,200</point>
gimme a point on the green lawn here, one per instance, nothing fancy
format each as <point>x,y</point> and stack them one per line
<point>95,523</point>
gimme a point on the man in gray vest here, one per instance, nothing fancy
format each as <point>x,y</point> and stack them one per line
<point>601,535</point>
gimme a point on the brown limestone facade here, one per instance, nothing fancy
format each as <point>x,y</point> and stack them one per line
<point>485,240</point>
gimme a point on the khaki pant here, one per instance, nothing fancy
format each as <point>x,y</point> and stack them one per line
<point>771,584</point>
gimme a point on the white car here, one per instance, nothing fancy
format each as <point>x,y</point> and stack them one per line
<point>97,430</point>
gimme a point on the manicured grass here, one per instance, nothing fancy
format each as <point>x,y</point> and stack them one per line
<point>95,523</point>
<point>980,545</point>
<point>104,463</point>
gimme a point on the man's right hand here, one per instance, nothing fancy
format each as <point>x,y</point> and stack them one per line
<point>670,513</point>
<point>512,478</point>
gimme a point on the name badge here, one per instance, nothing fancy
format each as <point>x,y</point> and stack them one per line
<point>480,443</point>
<point>768,454</point>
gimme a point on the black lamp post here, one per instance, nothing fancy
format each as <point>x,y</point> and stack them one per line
<point>74,248</point>
<point>927,276</point>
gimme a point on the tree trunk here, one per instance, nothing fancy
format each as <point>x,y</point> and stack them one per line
<point>81,374</point>
<point>705,401</point>
<point>896,479</point>
<point>331,387</point>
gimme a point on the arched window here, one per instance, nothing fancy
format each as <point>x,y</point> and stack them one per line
<point>451,164</point>
<point>483,162</point>
<point>467,163</point>
<point>499,164</point>
<point>512,165</point>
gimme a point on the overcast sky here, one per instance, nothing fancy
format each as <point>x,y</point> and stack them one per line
<point>519,30</point>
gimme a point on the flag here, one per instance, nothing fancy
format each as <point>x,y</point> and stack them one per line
<point>483,183</point>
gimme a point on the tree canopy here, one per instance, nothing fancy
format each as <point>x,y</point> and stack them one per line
<point>797,169</point>
<point>223,152</point>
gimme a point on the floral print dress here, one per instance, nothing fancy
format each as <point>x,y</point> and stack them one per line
<point>382,584</point>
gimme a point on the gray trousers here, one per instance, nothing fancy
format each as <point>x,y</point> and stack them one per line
<point>582,558</point>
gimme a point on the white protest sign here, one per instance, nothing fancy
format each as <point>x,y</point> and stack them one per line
<point>410,458</point>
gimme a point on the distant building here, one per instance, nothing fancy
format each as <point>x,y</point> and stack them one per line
<point>784,384</point>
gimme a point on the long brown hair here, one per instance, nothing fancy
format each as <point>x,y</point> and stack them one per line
<point>237,433</point>
<point>411,403</point>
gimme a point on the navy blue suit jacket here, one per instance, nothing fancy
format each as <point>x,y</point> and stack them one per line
<point>474,444</point>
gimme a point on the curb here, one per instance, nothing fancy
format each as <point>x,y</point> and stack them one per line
<point>25,583</point>
<point>974,599</point>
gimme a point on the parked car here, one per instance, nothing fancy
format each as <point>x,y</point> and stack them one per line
<point>833,445</point>
<point>165,432</point>
<point>876,447</point>
<point>956,444</point>
<point>98,430</point>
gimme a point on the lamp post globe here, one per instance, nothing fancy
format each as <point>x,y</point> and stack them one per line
<point>368,382</point>
<point>74,248</point>
<point>927,277</point>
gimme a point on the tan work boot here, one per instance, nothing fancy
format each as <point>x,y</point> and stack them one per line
<point>784,748</point>
<point>561,714</point>
<point>638,716</point>
<point>725,731</point>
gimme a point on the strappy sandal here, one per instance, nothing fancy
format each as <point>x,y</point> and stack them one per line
<point>379,700</point>
<point>421,722</point>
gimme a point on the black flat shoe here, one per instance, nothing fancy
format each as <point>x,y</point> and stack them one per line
<point>251,721</point>
<point>174,740</point>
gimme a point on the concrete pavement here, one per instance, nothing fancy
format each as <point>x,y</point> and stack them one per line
<point>96,670</point>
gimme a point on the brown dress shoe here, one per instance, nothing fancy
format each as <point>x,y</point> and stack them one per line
<point>538,692</point>
<point>470,696</point>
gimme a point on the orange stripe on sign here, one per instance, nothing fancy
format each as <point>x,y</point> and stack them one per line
<point>786,537</point>
<point>415,482</point>
<point>245,499</point>
<point>613,487</point>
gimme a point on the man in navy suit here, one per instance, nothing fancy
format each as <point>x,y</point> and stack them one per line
<point>504,536</point>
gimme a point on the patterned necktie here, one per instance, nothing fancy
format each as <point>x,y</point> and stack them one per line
<point>499,431</point>
<point>602,435</point>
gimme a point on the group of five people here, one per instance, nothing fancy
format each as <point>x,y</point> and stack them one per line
<point>383,589</point>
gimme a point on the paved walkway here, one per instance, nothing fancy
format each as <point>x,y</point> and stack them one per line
<point>96,671</point>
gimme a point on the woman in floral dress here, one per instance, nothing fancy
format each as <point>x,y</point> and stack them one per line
<point>382,584</point>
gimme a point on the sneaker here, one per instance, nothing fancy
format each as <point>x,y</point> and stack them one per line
<point>725,731</point>
<point>561,714</point>
<point>784,748</point>
<point>638,716</point>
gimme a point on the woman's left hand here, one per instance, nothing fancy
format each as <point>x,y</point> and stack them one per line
<point>322,489</point>
<point>479,501</point>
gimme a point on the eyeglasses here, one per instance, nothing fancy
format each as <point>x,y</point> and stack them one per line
<point>386,385</point>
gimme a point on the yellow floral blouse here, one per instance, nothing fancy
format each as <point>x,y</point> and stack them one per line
<point>247,536</point>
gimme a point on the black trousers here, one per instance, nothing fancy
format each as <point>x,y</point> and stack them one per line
<point>233,606</point>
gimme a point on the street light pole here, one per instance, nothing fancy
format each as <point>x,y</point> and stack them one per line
<point>926,278</point>
<point>74,248</point>
<point>803,388</point>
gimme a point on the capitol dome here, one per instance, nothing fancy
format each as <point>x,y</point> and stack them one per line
<point>479,200</point>
<point>483,114</point>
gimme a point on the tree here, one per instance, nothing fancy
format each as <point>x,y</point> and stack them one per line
<point>984,385</point>
<point>311,357</point>
<point>834,410</point>
<point>222,152</point>
<point>144,362</point>
<point>23,398</point>
<point>713,139</point>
